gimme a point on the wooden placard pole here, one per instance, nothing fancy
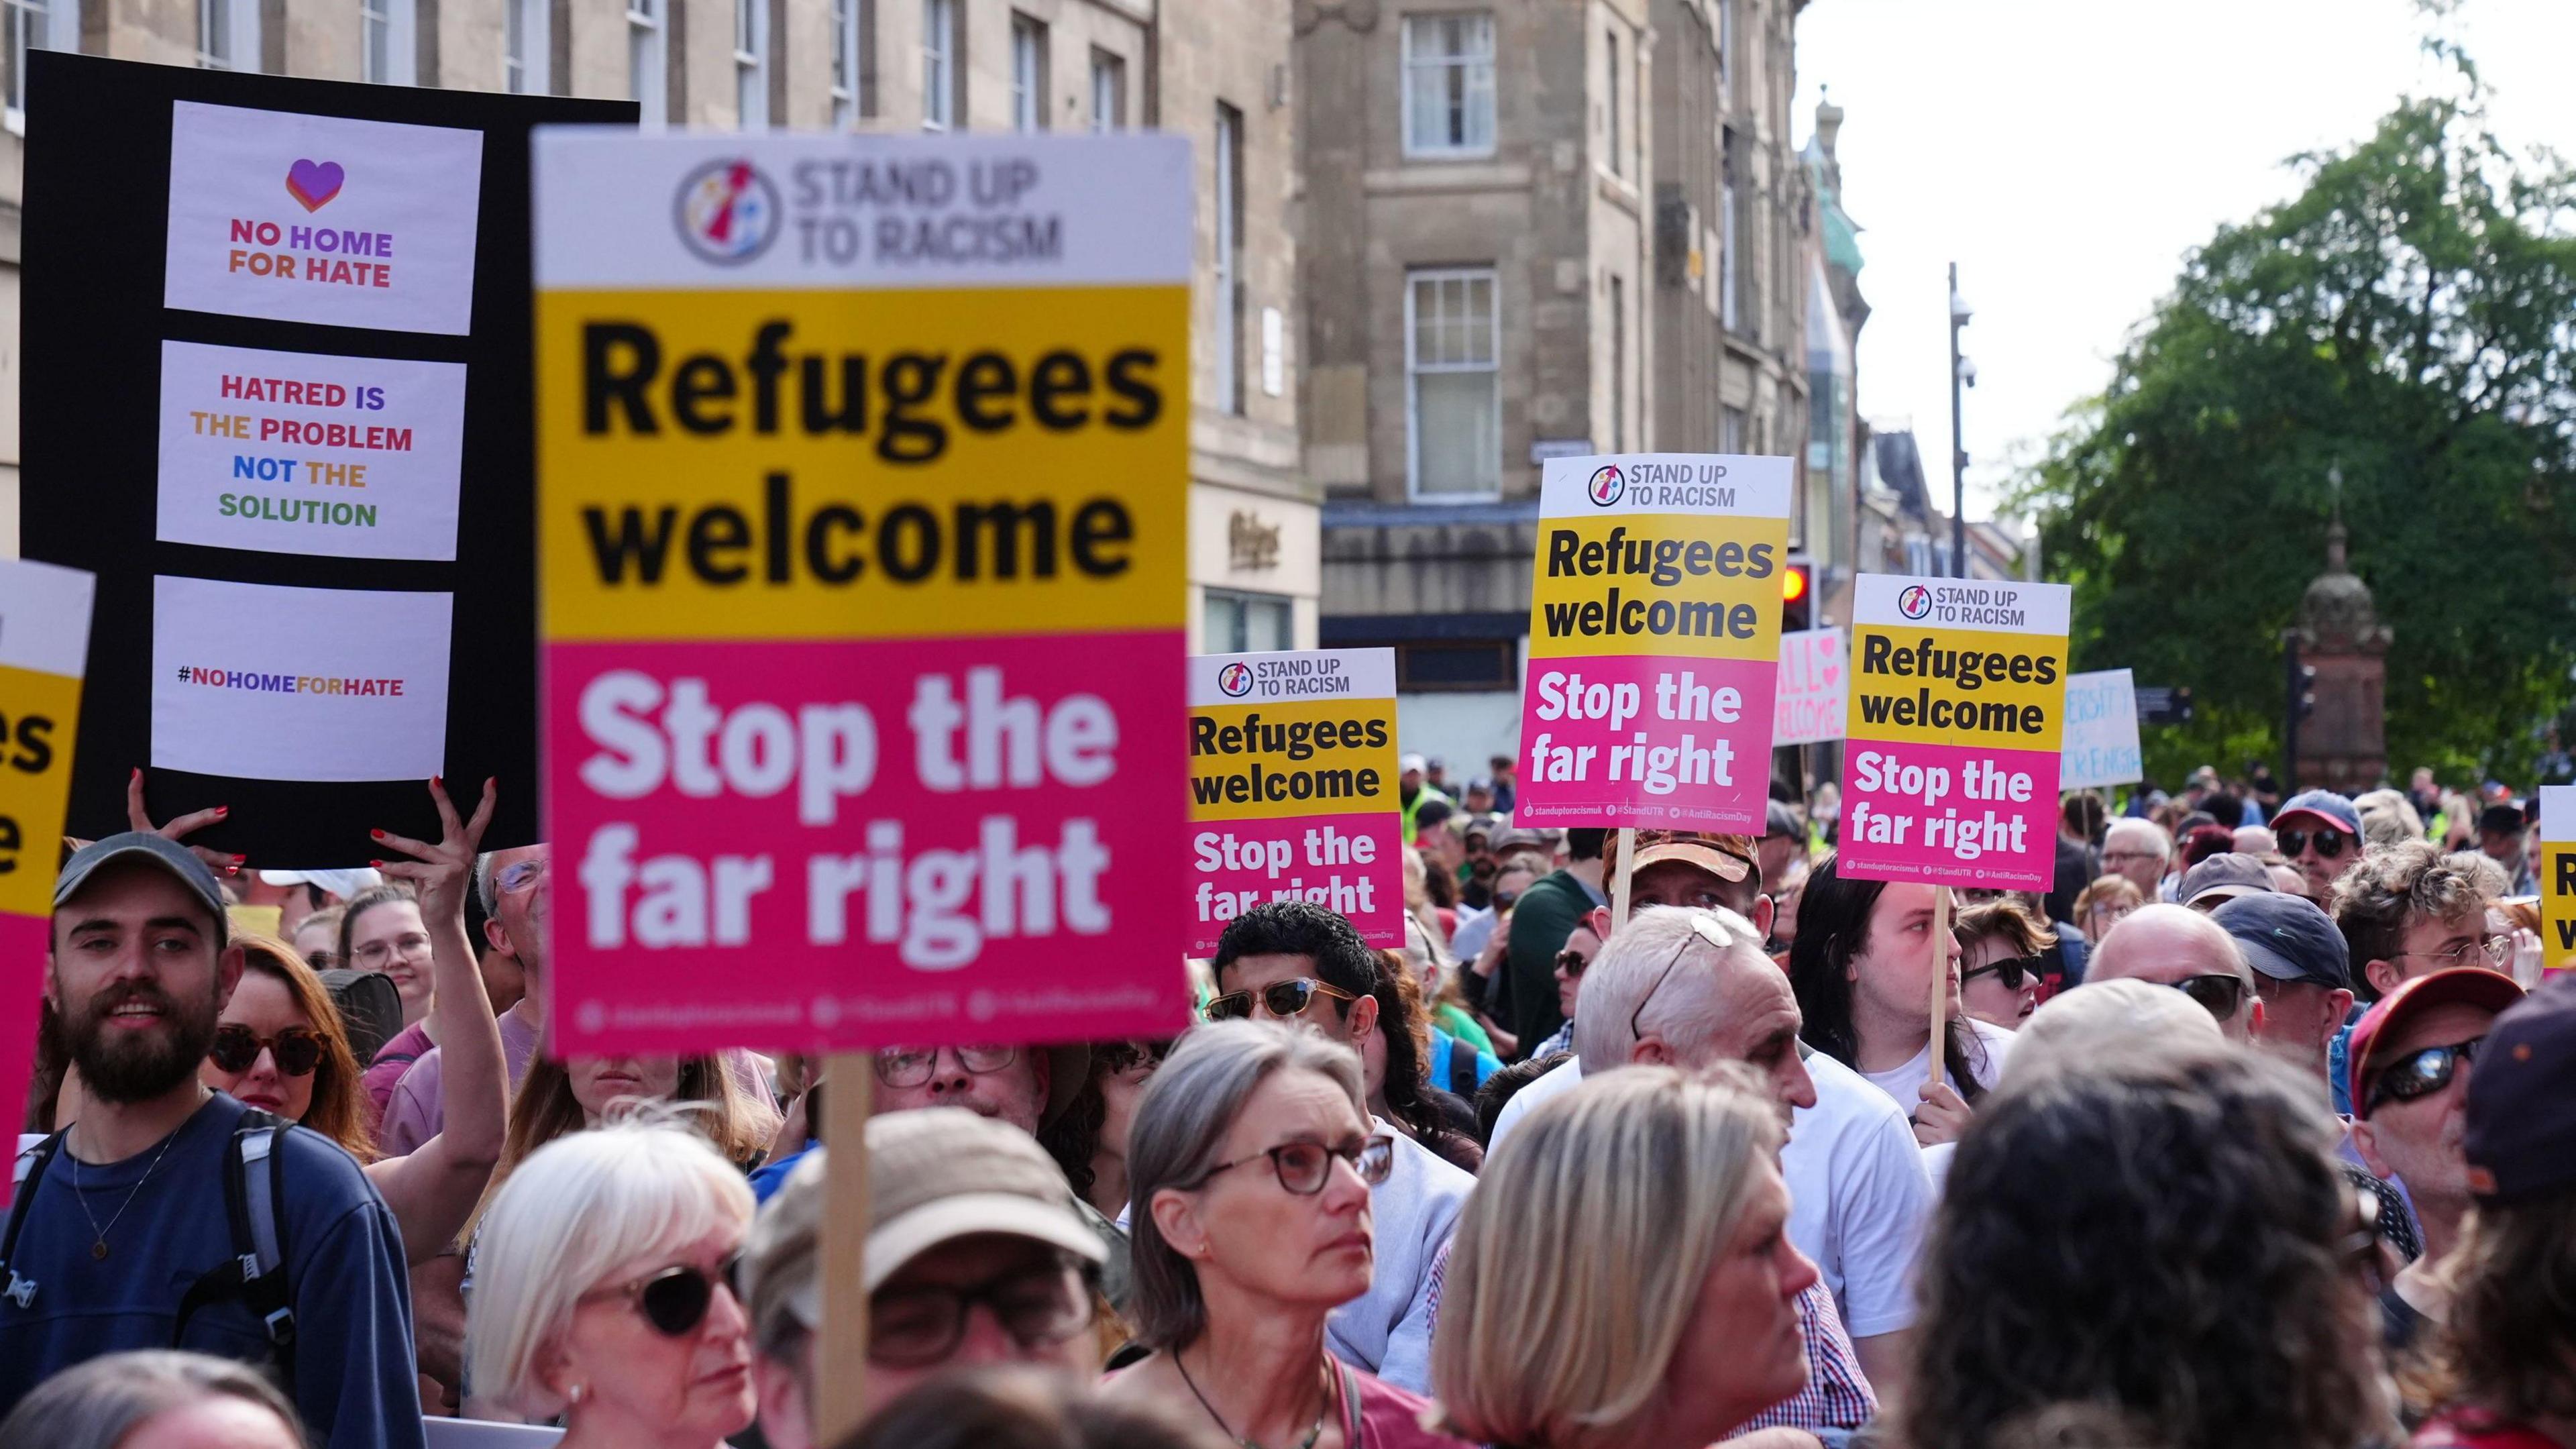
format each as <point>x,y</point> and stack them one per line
<point>841,1358</point>
<point>1940,980</point>
<point>1622,867</point>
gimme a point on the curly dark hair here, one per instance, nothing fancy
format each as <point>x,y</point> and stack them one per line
<point>2163,1237</point>
<point>1073,1138</point>
<point>1302,928</point>
<point>2509,1344</point>
<point>1833,923</point>
<point>1411,1099</point>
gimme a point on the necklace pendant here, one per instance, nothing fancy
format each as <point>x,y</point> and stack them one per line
<point>98,1251</point>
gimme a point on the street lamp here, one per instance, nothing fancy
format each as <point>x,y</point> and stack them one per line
<point>1963,373</point>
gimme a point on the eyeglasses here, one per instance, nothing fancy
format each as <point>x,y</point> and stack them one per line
<point>913,1067</point>
<point>2223,996</point>
<point>2119,857</point>
<point>375,954</point>
<point>1283,998</point>
<point>2013,971</point>
<point>322,960</point>
<point>2419,1073</point>
<point>1572,963</point>
<point>917,1327</point>
<point>2496,949</point>
<point>1137,1058</point>
<point>2330,844</point>
<point>674,1300</point>
<point>519,875</point>
<point>298,1049</point>
<point>1705,927</point>
<point>1304,1167</point>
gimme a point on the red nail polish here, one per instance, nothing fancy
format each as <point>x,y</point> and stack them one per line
<point>240,859</point>
<point>376,864</point>
<point>138,772</point>
<point>376,834</point>
<point>223,810</point>
<point>438,781</point>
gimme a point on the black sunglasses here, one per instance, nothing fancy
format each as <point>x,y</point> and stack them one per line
<point>2013,971</point>
<point>1284,998</point>
<point>298,1049</point>
<point>1572,962</point>
<point>2222,996</point>
<point>675,1300</point>
<point>917,1327</point>
<point>2419,1073</point>
<point>2330,844</point>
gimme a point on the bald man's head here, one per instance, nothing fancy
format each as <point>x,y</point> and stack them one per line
<point>2169,945</point>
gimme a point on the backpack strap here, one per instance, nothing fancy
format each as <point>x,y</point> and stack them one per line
<point>30,1171</point>
<point>255,1275</point>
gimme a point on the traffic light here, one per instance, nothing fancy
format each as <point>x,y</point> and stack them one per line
<point>1797,596</point>
<point>2305,700</point>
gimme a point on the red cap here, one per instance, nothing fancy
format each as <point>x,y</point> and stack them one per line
<point>2471,985</point>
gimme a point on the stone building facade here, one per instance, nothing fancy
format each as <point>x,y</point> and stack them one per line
<point>1217,71</point>
<point>1529,228</point>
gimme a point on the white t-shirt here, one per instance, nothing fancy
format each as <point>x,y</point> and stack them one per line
<point>1905,1083</point>
<point>1859,1198</point>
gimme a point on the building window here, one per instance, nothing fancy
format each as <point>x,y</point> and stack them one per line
<point>1730,430</point>
<point>849,24</point>
<point>1229,257</point>
<point>1457,665</point>
<point>1452,342</point>
<point>215,34</point>
<point>1108,92</point>
<point>1730,236</point>
<point>1618,365</point>
<point>648,75</point>
<point>942,100</point>
<point>514,49</point>
<point>1028,74</point>
<point>375,41</point>
<point>1448,85</point>
<point>1245,623</point>
<point>751,63</point>
<point>1618,150</point>
<point>33,25</point>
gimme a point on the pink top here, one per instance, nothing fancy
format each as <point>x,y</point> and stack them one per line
<point>1378,1415</point>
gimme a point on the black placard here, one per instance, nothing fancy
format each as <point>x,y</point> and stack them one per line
<point>97,217</point>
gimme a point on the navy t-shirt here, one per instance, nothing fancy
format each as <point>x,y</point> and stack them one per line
<point>355,1381</point>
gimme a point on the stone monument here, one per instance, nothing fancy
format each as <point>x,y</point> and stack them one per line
<point>2343,746</point>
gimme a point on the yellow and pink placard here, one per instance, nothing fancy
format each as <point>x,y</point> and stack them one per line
<point>862,509</point>
<point>1292,789</point>
<point>1958,713</point>
<point>44,642</point>
<point>1654,641</point>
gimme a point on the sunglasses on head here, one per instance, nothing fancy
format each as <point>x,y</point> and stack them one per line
<point>2419,1073</point>
<point>2221,996</point>
<point>674,1300</point>
<point>2330,844</point>
<point>298,1049</point>
<point>1283,998</point>
<point>2013,972</point>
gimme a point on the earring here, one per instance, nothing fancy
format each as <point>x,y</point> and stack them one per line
<point>574,1393</point>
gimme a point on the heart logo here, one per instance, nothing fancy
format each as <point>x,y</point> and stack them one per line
<point>313,183</point>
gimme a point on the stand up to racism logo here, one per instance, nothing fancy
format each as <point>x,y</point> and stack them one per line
<point>1608,485</point>
<point>1235,680</point>
<point>727,212</point>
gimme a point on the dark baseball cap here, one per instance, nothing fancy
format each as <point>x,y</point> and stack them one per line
<point>1779,820</point>
<point>2500,820</point>
<point>2223,876</point>
<point>2520,1137</point>
<point>2318,807</point>
<point>2467,985</point>
<point>157,850</point>
<point>2287,938</point>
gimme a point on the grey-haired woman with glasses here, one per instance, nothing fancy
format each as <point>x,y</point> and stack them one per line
<point>1249,1170</point>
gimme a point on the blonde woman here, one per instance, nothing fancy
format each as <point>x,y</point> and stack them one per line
<point>1623,1278</point>
<point>606,1294</point>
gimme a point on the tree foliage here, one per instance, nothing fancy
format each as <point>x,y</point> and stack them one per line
<point>2410,317</point>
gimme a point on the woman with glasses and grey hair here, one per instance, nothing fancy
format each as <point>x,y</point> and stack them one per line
<point>156,1399</point>
<point>1249,1168</point>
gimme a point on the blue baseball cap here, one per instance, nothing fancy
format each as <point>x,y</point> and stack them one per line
<point>2318,807</point>
<point>2288,938</point>
<point>160,852</point>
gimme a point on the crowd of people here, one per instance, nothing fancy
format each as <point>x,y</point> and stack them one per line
<point>2259,1128</point>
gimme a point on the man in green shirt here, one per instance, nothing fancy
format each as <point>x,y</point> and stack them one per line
<point>1546,914</point>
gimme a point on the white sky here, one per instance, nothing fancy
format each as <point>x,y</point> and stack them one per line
<point>2065,153</point>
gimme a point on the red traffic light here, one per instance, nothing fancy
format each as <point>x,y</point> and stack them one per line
<point>1793,583</point>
